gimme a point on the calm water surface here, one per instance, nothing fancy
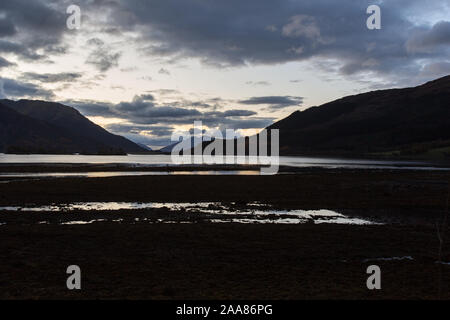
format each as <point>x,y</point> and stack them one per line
<point>165,160</point>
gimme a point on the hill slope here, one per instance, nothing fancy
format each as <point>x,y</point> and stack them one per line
<point>396,121</point>
<point>28,126</point>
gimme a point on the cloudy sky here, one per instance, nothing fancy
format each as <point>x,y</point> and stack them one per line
<point>146,68</point>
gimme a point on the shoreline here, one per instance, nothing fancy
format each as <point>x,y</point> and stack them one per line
<point>309,188</point>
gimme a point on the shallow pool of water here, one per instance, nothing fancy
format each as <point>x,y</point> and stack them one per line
<point>214,211</point>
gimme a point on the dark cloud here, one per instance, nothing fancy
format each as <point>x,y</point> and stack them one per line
<point>7,28</point>
<point>146,97</point>
<point>429,40</point>
<point>142,109</point>
<point>52,77</point>
<point>238,113</point>
<point>101,56</point>
<point>91,108</point>
<point>159,131</point>
<point>20,50</point>
<point>15,89</point>
<point>151,122</point>
<point>145,134</point>
<point>238,33</point>
<point>302,26</point>
<point>240,123</point>
<point>274,102</point>
<point>235,32</point>
<point>31,26</point>
<point>103,60</point>
<point>145,110</point>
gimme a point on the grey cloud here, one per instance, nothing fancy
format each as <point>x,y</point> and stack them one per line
<point>274,102</point>
<point>258,83</point>
<point>427,40</point>
<point>52,77</point>
<point>199,104</point>
<point>5,63</point>
<point>238,113</point>
<point>302,26</point>
<point>147,97</point>
<point>30,26</point>
<point>95,42</point>
<point>19,49</point>
<point>101,56</point>
<point>145,110</point>
<point>2,91</point>
<point>17,89</point>
<point>150,122</point>
<point>145,134</point>
<point>166,91</point>
<point>141,109</point>
<point>92,108</point>
<point>233,113</point>
<point>7,28</point>
<point>237,33</point>
<point>103,60</point>
<point>437,68</point>
<point>159,131</point>
<point>250,123</point>
<point>164,72</point>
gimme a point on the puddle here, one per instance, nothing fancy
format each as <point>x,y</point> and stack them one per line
<point>108,206</point>
<point>80,222</point>
<point>214,212</point>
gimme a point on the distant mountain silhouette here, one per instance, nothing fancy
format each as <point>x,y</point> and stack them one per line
<point>187,145</point>
<point>29,126</point>
<point>169,148</point>
<point>386,122</point>
<point>143,146</point>
<point>395,122</point>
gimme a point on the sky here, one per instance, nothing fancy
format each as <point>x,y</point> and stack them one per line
<point>145,69</point>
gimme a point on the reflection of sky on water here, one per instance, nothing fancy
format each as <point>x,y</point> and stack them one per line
<point>165,160</point>
<point>107,174</point>
<point>252,213</point>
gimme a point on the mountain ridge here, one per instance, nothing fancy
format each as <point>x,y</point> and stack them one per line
<point>401,121</point>
<point>55,128</point>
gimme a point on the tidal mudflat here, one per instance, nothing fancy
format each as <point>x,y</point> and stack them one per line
<point>244,237</point>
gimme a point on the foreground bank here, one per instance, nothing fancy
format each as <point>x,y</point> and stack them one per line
<point>129,254</point>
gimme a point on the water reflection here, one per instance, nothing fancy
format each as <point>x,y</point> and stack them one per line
<point>165,160</point>
<point>212,211</point>
<point>108,174</point>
